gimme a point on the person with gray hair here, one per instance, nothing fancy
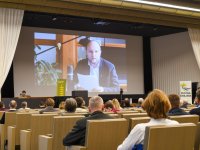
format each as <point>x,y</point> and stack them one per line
<point>77,135</point>
<point>70,105</point>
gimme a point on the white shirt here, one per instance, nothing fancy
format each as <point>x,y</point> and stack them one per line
<point>136,135</point>
<point>94,70</point>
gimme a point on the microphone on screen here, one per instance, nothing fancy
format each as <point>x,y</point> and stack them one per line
<point>70,72</point>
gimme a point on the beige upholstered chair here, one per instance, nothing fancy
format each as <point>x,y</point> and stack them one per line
<point>40,124</point>
<point>104,134</point>
<point>138,120</point>
<point>186,118</point>
<point>61,126</point>
<point>173,137</point>
<point>197,138</point>
<point>10,119</point>
<point>22,122</point>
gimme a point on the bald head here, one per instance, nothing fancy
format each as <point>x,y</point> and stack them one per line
<point>93,52</point>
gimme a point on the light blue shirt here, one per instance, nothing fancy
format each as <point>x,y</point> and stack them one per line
<point>94,70</point>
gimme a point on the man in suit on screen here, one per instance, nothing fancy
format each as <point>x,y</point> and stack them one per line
<point>102,69</point>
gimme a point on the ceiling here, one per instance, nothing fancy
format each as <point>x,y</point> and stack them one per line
<point>57,21</point>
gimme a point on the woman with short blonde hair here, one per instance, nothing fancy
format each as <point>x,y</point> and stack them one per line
<point>156,105</point>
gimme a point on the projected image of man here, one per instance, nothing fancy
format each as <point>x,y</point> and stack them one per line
<point>96,66</point>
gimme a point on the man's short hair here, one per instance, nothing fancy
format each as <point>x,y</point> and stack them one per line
<point>156,104</point>
<point>80,101</point>
<point>1,104</point>
<point>108,104</point>
<point>50,102</point>
<point>13,104</point>
<point>174,100</point>
<point>198,94</point>
<point>95,102</point>
<point>70,105</point>
<point>24,104</point>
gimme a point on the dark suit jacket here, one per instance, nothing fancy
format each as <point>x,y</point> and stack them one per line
<point>108,78</point>
<point>77,134</point>
<point>47,109</point>
<point>195,111</point>
<point>177,111</point>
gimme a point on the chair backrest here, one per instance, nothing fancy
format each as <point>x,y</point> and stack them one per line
<point>105,134</point>
<point>62,125</point>
<point>120,113</point>
<point>10,120</point>
<point>186,118</point>
<point>40,124</point>
<point>173,137</point>
<point>23,121</point>
<point>138,120</point>
<point>197,138</point>
<point>1,114</point>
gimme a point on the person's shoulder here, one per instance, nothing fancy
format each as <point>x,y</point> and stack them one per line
<point>168,121</point>
<point>106,63</point>
<point>195,110</point>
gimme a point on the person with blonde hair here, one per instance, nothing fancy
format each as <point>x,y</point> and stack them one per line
<point>156,105</point>
<point>116,104</point>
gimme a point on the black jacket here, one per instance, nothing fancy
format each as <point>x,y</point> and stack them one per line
<point>77,134</point>
<point>195,111</point>
<point>177,111</point>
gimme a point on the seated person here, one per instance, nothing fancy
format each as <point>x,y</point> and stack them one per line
<point>116,105</point>
<point>140,101</point>
<point>49,106</point>
<point>2,106</point>
<point>77,135</point>
<point>156,105</point>
<point>196,110</point>
<point>175,106</point>
<point>23,94</point>
<point>70,105</point>
<point>80,105</point>
<point>24,107</point>
<point>13,106</point>
<point>62,106</point>
<point>109,107</point>
<point>96,66</point>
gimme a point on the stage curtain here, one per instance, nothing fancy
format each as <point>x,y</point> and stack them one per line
<point>195,40</point>
<point>10,26</point>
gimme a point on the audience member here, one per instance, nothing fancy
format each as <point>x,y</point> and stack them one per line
<point>156,105</point>
<point>12,106</point>
<point>196,110</point>
<point>24,107</point>
<point>77,134</point>
<point>49,106</point>
<point>140,102</point>
<point>175,106</point>
<point>80,105</point>
<point>116,105</point>
<point>184,104</point>
<point>2,106</point>
<point>70,105</point>
<point>62,106</point>
<point>108,106</point>
<point>23,94</point>
<point>126,103</point>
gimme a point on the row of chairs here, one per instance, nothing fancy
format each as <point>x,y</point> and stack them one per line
<point>58,126</point>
